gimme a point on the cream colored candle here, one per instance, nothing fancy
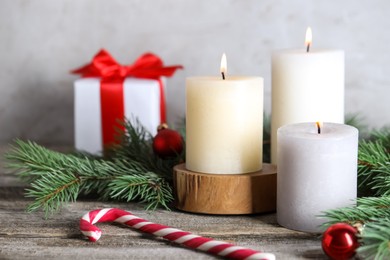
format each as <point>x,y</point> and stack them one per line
<point>306,86</point>
<point>224,124</point>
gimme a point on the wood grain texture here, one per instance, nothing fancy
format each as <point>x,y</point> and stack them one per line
<point>225,193</point>
<point>31,236</point>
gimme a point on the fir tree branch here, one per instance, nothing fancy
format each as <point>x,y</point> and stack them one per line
<point>57,178</point>
<point>374,165</point>
<point>148,189</point>
<point>52,191</point>
<point>367,209</point>
<point>383,135</point>
<point>32,162</point>
<point>375,240</point>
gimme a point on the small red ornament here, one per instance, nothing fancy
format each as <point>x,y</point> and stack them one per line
<point>167,142</point>
<point>340,241</point>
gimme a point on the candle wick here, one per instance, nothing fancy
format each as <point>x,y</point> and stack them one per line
<point>318,127</point>
<point>308,47</point>
<point>223,75</point>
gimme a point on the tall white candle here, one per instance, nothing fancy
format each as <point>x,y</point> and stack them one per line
<point>316,172</point>
<point>306,86</point>
<point>224,124</point>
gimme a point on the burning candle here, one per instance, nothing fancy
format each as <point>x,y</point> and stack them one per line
<point>317,171</point>
<point>224,123</point>
<point>306,84</point>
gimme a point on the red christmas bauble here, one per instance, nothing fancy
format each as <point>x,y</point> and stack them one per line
<point>167,142</point>
<point>340,241</point>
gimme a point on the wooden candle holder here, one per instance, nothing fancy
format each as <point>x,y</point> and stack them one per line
<point>229,194</point>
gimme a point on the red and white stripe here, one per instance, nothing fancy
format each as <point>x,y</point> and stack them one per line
<point>187,239</point>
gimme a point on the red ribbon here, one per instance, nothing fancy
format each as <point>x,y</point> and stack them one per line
<point>103,65</point>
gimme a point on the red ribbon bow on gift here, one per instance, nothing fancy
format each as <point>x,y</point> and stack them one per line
<point>103,65</point>
<point>148,66</point>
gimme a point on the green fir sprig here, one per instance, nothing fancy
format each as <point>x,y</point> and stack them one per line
<point>366,210</point>
<point>130,173</point>
<point>374,166</point>
<point>375,239</point>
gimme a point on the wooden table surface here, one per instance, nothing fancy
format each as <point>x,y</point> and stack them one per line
<point>31,236</point>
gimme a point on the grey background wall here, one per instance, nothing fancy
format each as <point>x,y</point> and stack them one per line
<point>42,40</point>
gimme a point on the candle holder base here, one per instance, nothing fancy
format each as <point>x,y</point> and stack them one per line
<point>225,194</point>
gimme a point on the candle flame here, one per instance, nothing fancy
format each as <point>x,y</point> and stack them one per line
<point>308,38</point>
<point>223,65</point>
<point>319,125</point>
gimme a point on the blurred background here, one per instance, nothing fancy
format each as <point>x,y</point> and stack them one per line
<point>42,40</point>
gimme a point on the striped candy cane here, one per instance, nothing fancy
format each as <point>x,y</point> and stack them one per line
<point>187,239</point>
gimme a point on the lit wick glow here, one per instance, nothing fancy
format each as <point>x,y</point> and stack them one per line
<point>308,39</point>
<point>319,125</point>
<point>223,66</point>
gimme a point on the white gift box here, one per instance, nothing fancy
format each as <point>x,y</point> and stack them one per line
<point>141,101</point>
